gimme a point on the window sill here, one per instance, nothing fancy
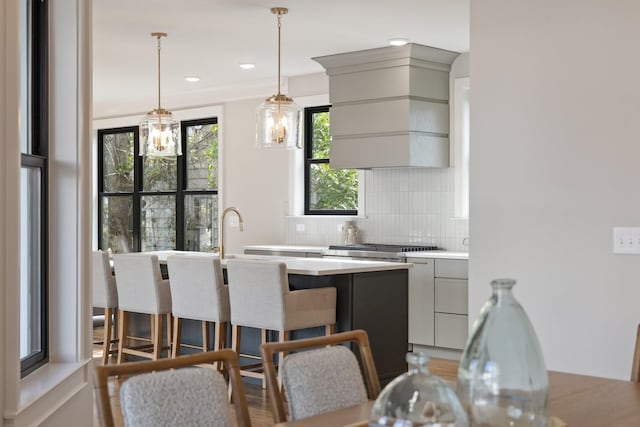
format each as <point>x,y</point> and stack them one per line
<point>329,216</point>
<point>64,377</point>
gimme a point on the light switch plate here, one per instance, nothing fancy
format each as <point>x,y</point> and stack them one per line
<point>626,240</point>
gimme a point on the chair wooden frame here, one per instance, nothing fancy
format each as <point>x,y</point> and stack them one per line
<point>226,356</point>
<point>274,391</point>
<point>635,367</point>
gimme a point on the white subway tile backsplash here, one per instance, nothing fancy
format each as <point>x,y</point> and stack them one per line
<point>403,205</point>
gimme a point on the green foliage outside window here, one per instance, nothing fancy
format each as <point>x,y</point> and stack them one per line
<point>329,189</point>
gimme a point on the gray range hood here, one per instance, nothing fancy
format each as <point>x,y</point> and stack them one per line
<point>389,107</point>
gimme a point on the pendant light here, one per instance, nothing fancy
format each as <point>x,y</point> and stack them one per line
<point>278,115</point>
<point>159,132</point>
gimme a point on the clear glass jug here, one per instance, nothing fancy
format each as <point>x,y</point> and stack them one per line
<point>502,379</point>
<point>418,398</point>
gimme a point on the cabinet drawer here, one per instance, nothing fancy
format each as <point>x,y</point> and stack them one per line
<point>452,268</point>
<point>421,302</point>
<point>452,296</point>
<point>451,330</point>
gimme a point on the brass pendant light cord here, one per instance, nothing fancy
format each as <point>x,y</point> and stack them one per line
<point>279,38</point>
<point>159,36</point>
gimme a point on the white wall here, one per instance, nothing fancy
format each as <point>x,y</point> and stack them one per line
<point>255,180</point>
<point>554,166</point>
<point>58,393</point>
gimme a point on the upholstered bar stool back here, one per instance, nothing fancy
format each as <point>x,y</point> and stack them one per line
<point>105,295</point>
<point>141,289</point>
<point>260,298</point>
<point>198,292</point>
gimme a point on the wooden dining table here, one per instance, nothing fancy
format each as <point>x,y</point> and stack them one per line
<point>578,400</point>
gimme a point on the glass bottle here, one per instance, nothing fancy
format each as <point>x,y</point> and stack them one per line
<point>502,379</point>
<point>418,398</point>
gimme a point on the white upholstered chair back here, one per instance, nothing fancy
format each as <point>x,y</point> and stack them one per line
<point>322,380</point>
<point>197,288</point>
<point>103,283</point>
<point>256,293</point>
<point>188,397</point>
<point>141,288</point>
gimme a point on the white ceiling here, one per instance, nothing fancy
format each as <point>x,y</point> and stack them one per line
<point>210,38</point>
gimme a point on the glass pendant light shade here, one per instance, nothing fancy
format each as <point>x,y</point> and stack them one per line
<point>278,121</point>
<point>159,131</point>
<point>160,135</point>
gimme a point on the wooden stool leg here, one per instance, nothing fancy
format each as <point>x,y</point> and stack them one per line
<point>284,336</point>
<point>330,329</point>
<point>263,340</point>
<point>220,340</point>
<point>106,342</point>
<point>122,333</point>
<point>235,339</point>
<point>177,336</point>
<point>205,335</point>
<point>169,332</point>
<point>157,337</point>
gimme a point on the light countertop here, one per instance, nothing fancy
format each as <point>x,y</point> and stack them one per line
<point>320,249</point>
<point>438,254</point>
<point>288,248</point>
<point>305,266</point>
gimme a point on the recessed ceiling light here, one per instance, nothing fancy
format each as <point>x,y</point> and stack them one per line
<point>247,66</point>
<point>397,41</point>
<point>192,79</point>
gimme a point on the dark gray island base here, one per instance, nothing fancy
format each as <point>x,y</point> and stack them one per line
<point>375,301</point>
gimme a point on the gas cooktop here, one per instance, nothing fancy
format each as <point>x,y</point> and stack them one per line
<point>378,251</point>
<point>382,247</point>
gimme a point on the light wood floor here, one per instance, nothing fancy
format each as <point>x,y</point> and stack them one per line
<point>256,396</point>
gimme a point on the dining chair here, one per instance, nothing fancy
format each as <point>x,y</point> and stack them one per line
<point>325,377</point>
<point>259,297</point>
<point>141,289</point>
<point>635,367</point>
<point>198,292</point>
<point>105,295</point>
<point>157,393</point>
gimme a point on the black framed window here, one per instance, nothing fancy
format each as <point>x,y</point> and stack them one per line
<point>34,320</point>
<point>326,191</point>
<point>158,203</point>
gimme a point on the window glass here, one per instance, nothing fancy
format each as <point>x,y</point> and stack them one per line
<point>160,174</point>
<point>117,223</point>
<point>176,204</point>
<point>327,190</point>
<point>332,188</point>
<point>33,325</point>
<point>201,222</point>
<point>30,262</point>
<point>117,160</point>
<point>158,222</point>
<point>202,156</point>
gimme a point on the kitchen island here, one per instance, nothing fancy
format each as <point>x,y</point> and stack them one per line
<point>371,295</point>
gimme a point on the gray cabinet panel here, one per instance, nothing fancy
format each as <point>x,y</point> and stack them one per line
<point>452,268</point>
<point>421,302</point>
<point>451,330</point>
<point>452,296</point>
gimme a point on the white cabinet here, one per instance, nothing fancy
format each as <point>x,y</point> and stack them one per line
<point>451,303</point>
<point>421,301</point>
<point>438,302</point>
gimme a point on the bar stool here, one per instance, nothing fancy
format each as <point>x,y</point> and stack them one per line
<point>141,289</point>
<point>260,298</point>
<point>105,295</point>
<point>198,293</point>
